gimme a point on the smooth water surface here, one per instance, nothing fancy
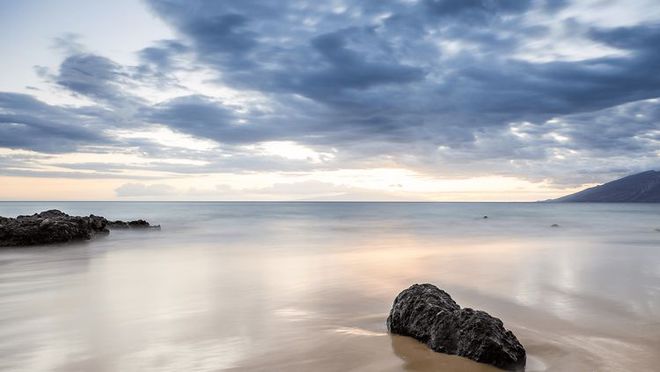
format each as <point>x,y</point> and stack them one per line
<point>307,286</point>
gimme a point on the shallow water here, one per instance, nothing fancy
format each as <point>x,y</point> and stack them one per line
<point>307,286</point>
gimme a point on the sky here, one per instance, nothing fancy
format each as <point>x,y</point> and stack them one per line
<point>419,100</point>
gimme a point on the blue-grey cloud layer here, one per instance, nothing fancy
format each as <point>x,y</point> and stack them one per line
<point>27,123</point>
<point>374,80</point>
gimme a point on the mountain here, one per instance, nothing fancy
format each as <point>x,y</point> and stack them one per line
<point>638,188</point>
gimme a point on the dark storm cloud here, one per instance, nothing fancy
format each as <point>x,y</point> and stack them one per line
<point>159,62</point>
<point>352,64</point>
<point>475,10</point>
<point>26,123</point>
<point>642,37</point>
<point>203,117</point>
<point>347,69</point>
<point>222,34</point>
<point>629,128</point>
<point>520,90</point>
<point>161,54</point>
<point>253,46</point>
<point>92,76</point>
<point>572,150</point>
<point>439,85</point>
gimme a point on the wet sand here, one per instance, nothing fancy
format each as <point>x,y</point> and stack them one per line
<point>307,289</point>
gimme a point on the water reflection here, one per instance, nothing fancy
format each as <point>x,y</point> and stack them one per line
<point>417,357</point>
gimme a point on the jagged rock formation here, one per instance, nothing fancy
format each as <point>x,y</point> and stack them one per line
<point>54,226</point>
<point>138,224</point>
<point>431,316</point>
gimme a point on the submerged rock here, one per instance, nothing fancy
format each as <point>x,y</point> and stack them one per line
<point>54,226</point>
<point>431,316</point>
<point>137,224</point>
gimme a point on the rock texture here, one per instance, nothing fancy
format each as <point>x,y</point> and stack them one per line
<point>431,316</point>
<point>54,226</point>
<point>138,224</point>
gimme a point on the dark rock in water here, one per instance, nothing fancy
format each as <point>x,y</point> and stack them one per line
<point>50,226</point>
<point>53,226</point>
<point>554,225</point>
<point>137,224</point>
<point>117,225</point>
<point>431,316</point>
<point>485,217</point>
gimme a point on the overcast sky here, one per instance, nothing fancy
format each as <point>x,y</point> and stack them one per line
<point>325,100</point>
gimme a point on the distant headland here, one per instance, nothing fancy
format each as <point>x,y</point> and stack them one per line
<point>637,188</point>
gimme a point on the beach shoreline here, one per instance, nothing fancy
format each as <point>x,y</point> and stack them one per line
<point>309,286</point>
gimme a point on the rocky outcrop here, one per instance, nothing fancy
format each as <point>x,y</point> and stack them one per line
<point>431,316</point>
<point>137,224</point>
<point>54,226</point>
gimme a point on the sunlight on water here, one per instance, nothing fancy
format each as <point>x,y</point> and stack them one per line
<point>307,286</point>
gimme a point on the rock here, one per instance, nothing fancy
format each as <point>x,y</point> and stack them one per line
<point>137,224</point>
<point>49,227</point>
<point>52,226</point>
<point>431,316</point>
<point>485,217</point>
<point>554,225</point>
<point>118,225</point>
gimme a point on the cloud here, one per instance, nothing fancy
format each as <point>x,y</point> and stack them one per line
<point>69,43</point>
<point>438,86</point>
<point>26,123</point>
<point>142,190</point>
<point>199,116</point>
<point>308,190</point>
<point>161,54</point>
<point>91,75</point>
<point>343,63</point>
<point>475,10</point>
<point>347,69</point>
<point>324,191</point>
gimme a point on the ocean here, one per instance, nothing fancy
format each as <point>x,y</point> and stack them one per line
<point>297,286</point>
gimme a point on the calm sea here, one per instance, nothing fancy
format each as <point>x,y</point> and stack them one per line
<point>307,286</point>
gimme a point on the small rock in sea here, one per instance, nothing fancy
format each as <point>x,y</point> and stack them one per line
<point>137,224</point>
<point>554,225</point>
<point>118,225</point>
<point>54,226</point>
<point>485,217</point>
<point>430,315</point>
